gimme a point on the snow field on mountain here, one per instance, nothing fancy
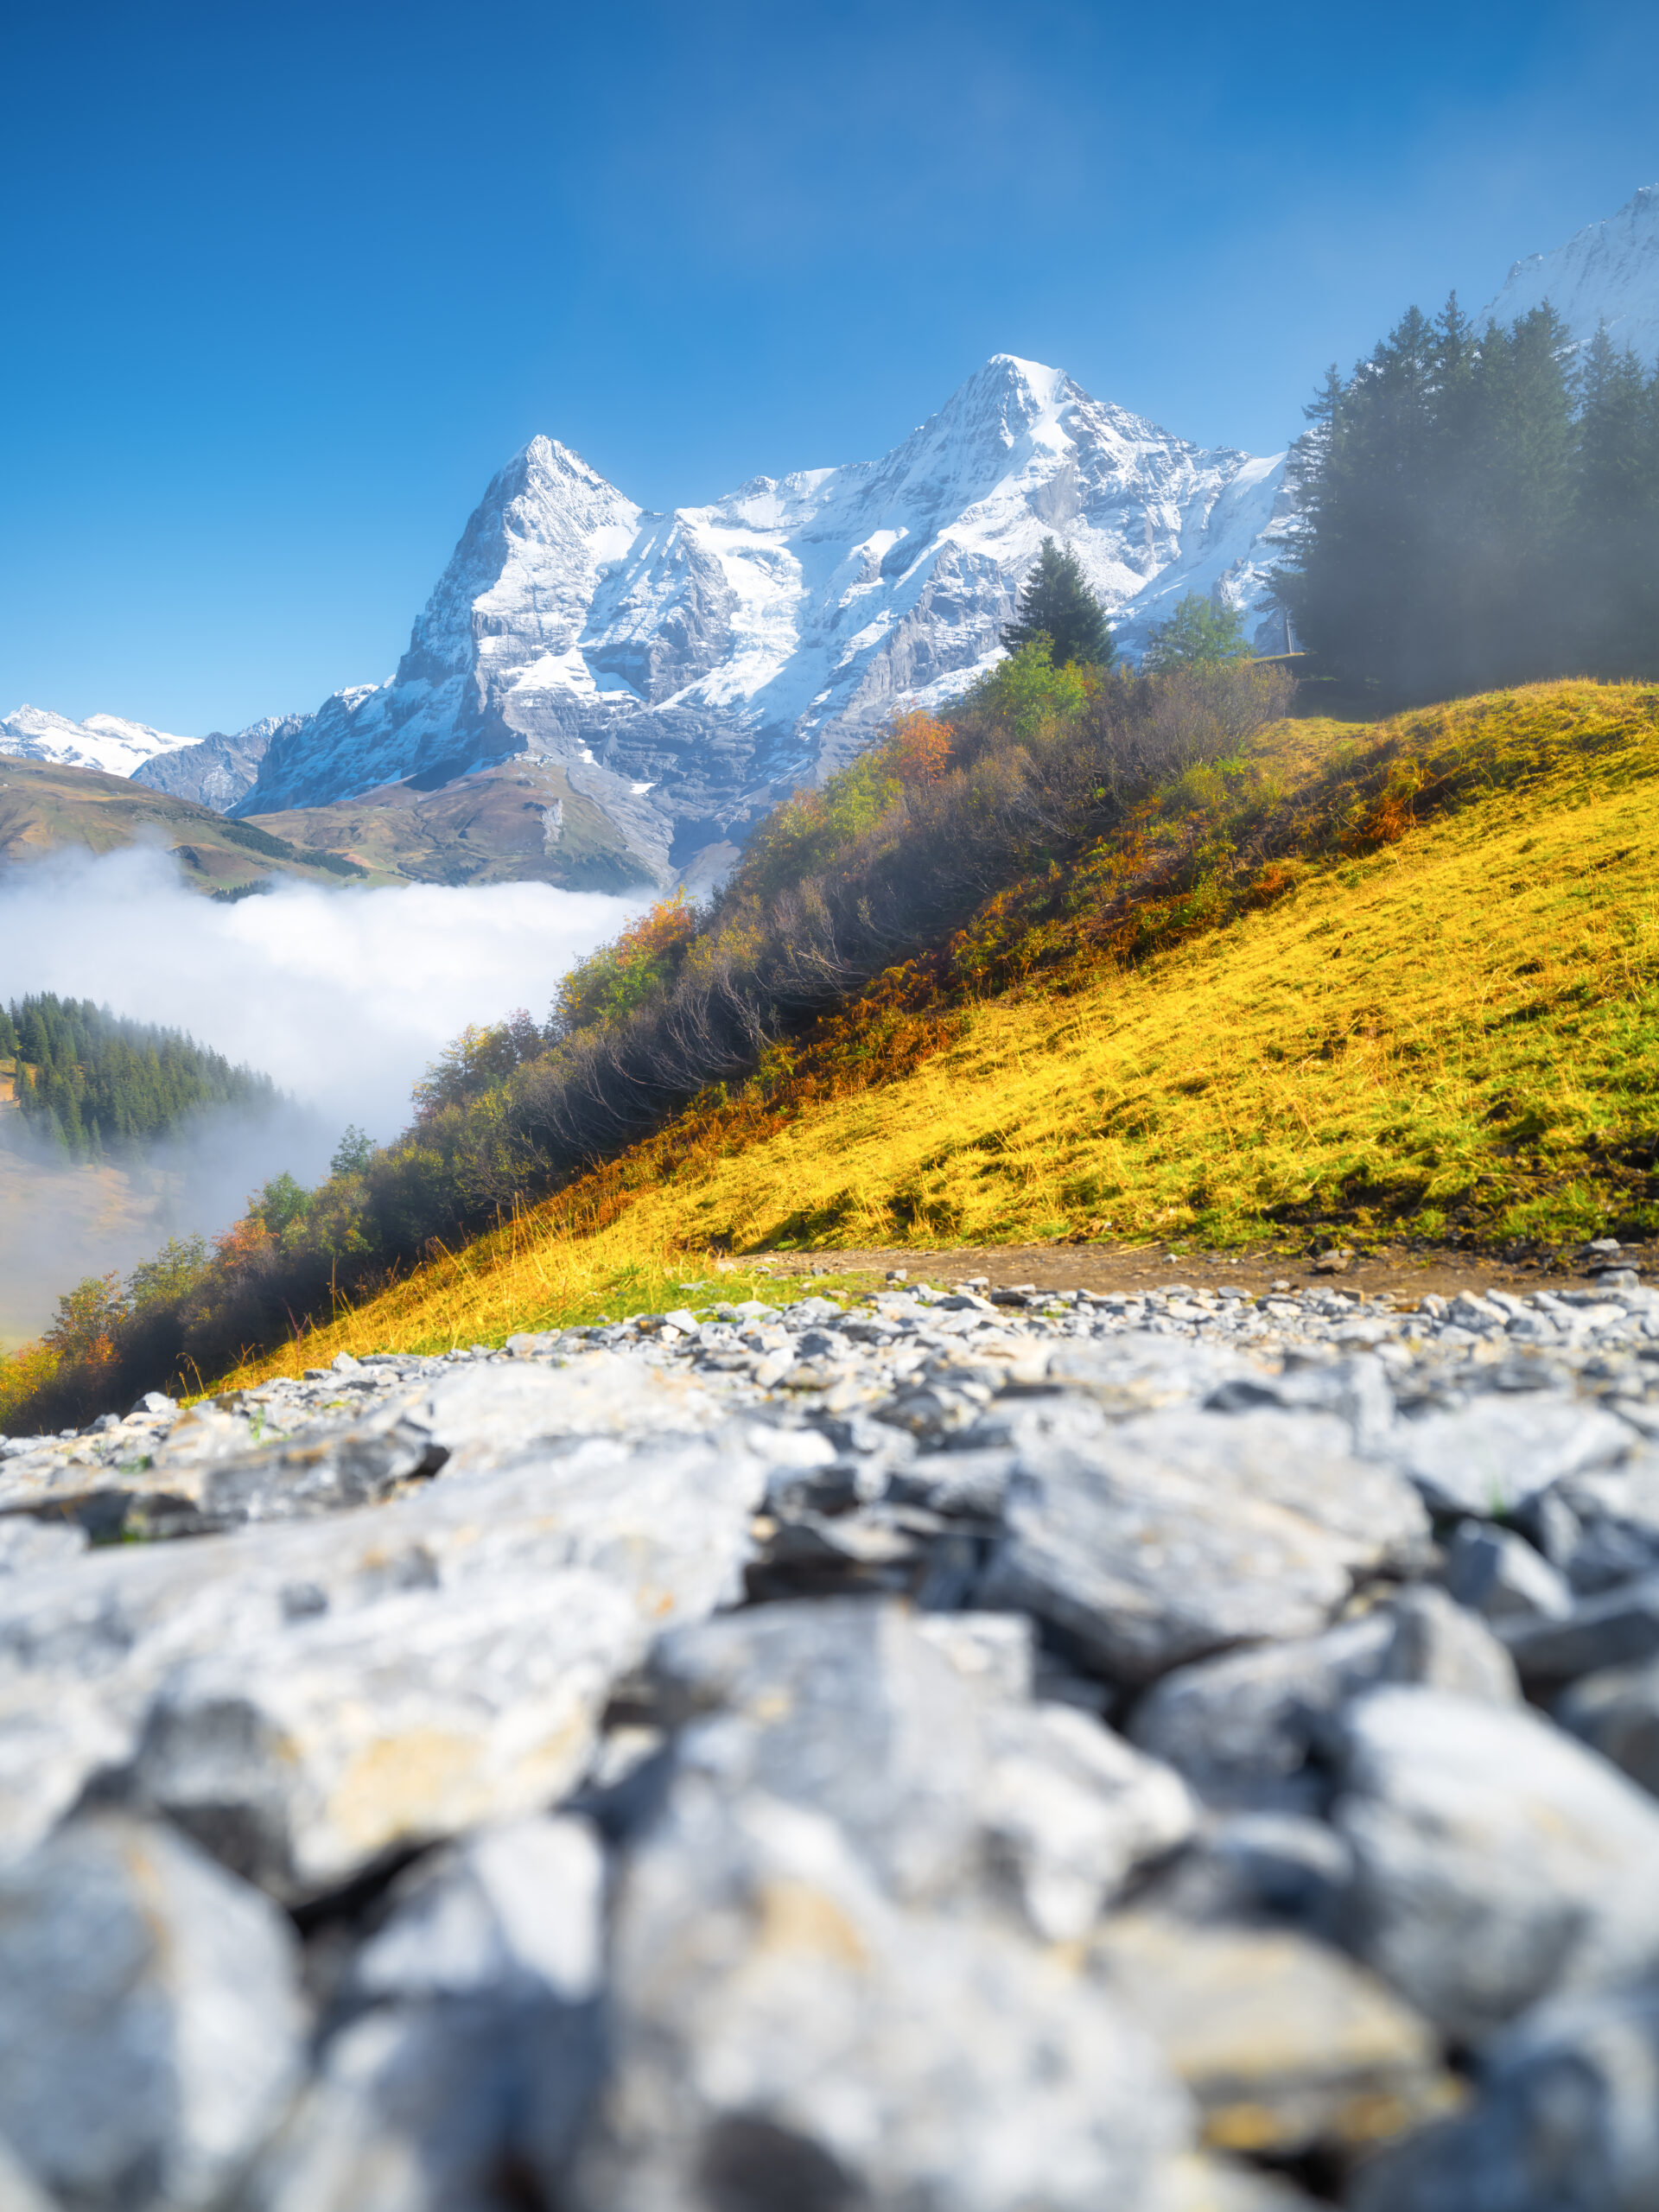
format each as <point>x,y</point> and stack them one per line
<point>103,741</point>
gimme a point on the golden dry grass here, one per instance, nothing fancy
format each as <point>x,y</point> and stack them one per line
<point>1461,1029</point>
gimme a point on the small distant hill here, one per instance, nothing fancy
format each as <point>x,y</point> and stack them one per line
<point>46,806</point>
<point>96,1084</point>
<point>520,822</point>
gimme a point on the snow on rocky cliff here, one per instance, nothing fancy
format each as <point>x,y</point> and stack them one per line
<point>103,741</point>
<point>1606,272</point>
<point>687,668</point>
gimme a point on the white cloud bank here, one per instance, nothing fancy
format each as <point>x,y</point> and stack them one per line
<point>343,997</point>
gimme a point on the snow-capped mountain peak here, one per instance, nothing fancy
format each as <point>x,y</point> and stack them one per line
<point>1605,272</point>
<point>103,741</point>
<point>686,668</point>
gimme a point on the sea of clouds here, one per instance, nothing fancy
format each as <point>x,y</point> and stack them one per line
<point>344,997</point>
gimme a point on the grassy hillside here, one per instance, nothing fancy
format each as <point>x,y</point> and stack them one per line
<point>519,822</point>
<point>44,807</point>
<point>1399,977</point>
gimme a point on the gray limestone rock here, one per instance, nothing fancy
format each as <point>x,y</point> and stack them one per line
<point>1619,1628</point>
<point>1438,1645</point>
<point>1071,1811</point>
<point>1284,2042</point>
<point>1244,1728</point>
<point>1259,1868</point>
<point>464,2105</point>
<point>18,2191</point>
<point>27,1545</point>
<point>784,2035</point>
<point>303,1761</point>
<point>150,2025</point>
<point>50,1748</point>
<point>1614,1525</point>
<point>468,2076</point>
<point>1497,1860</point>
<point>1498,1575</point>
<point>1492,1456</point>
<point>513,1910</point>
<point>1195,2183</point>
<point>1618,1712</point>
<point>1186,1532</point>
<point>1567,2120</point>
<point>841,1706</point>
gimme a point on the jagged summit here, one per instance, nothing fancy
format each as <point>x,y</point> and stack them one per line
<point>1606,272</point>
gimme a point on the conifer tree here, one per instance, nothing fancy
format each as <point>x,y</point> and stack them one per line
<point>1470,512</point>
<point>1055,603</point>
<point>1198,634</point>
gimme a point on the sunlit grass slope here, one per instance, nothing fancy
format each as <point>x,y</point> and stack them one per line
<point>1447,1026</point>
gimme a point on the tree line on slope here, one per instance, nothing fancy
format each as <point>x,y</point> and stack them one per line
<point>839,883</point>
<point>1478,508</point>
<point>93,1083</point>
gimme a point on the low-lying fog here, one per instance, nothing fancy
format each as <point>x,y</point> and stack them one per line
<point>344,997</point>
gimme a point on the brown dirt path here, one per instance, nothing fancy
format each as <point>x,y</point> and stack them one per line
<point>1408,1274</point>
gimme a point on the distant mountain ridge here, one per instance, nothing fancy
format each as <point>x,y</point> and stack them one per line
<point>214,771</point>
<point>687,668</point>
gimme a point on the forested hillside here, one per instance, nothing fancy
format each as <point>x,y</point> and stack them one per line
<point>96,1084</point>
<point>1477,508</point>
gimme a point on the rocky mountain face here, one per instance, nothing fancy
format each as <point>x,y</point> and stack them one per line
<point>219,769</point>
<point>1136,1751</point>
<point>687,668</point>
<point>1607,272</point>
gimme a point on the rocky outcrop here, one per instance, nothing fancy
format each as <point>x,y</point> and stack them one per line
<point>218,771</point>
<point>946,1751</point>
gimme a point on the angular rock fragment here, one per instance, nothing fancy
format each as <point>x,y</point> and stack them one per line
<point>1497,1574</point>
<point>1244,1727</point>
<point>783,2035</point>
<point>1618,1713</point>
<point>463,2089</point>
<point>841,1706</point>
<point>1198,2182</point>
<point>1184,1533</point>
<point>50,1748</point>
<point>1072,1810</point>
<point>1284,2042</point>
<point>1492,1456</point>
<point>1619,1628</point>
<point>465,2106</point>
<point>1496,1861</point>
<point>302,1763</point>
<point>1567,2120</point>
<point>150,2025</point>
<point>1438,1645</point>
<point>513,1910</point>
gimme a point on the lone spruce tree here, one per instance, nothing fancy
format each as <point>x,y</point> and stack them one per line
<point>1055,603</point>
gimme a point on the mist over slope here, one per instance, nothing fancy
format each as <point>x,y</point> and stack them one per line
<point>342,997</point>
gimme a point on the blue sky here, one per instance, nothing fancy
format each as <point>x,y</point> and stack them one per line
<point>283,285</point>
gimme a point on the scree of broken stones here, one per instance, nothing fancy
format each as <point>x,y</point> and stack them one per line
<point>964,1751</point>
